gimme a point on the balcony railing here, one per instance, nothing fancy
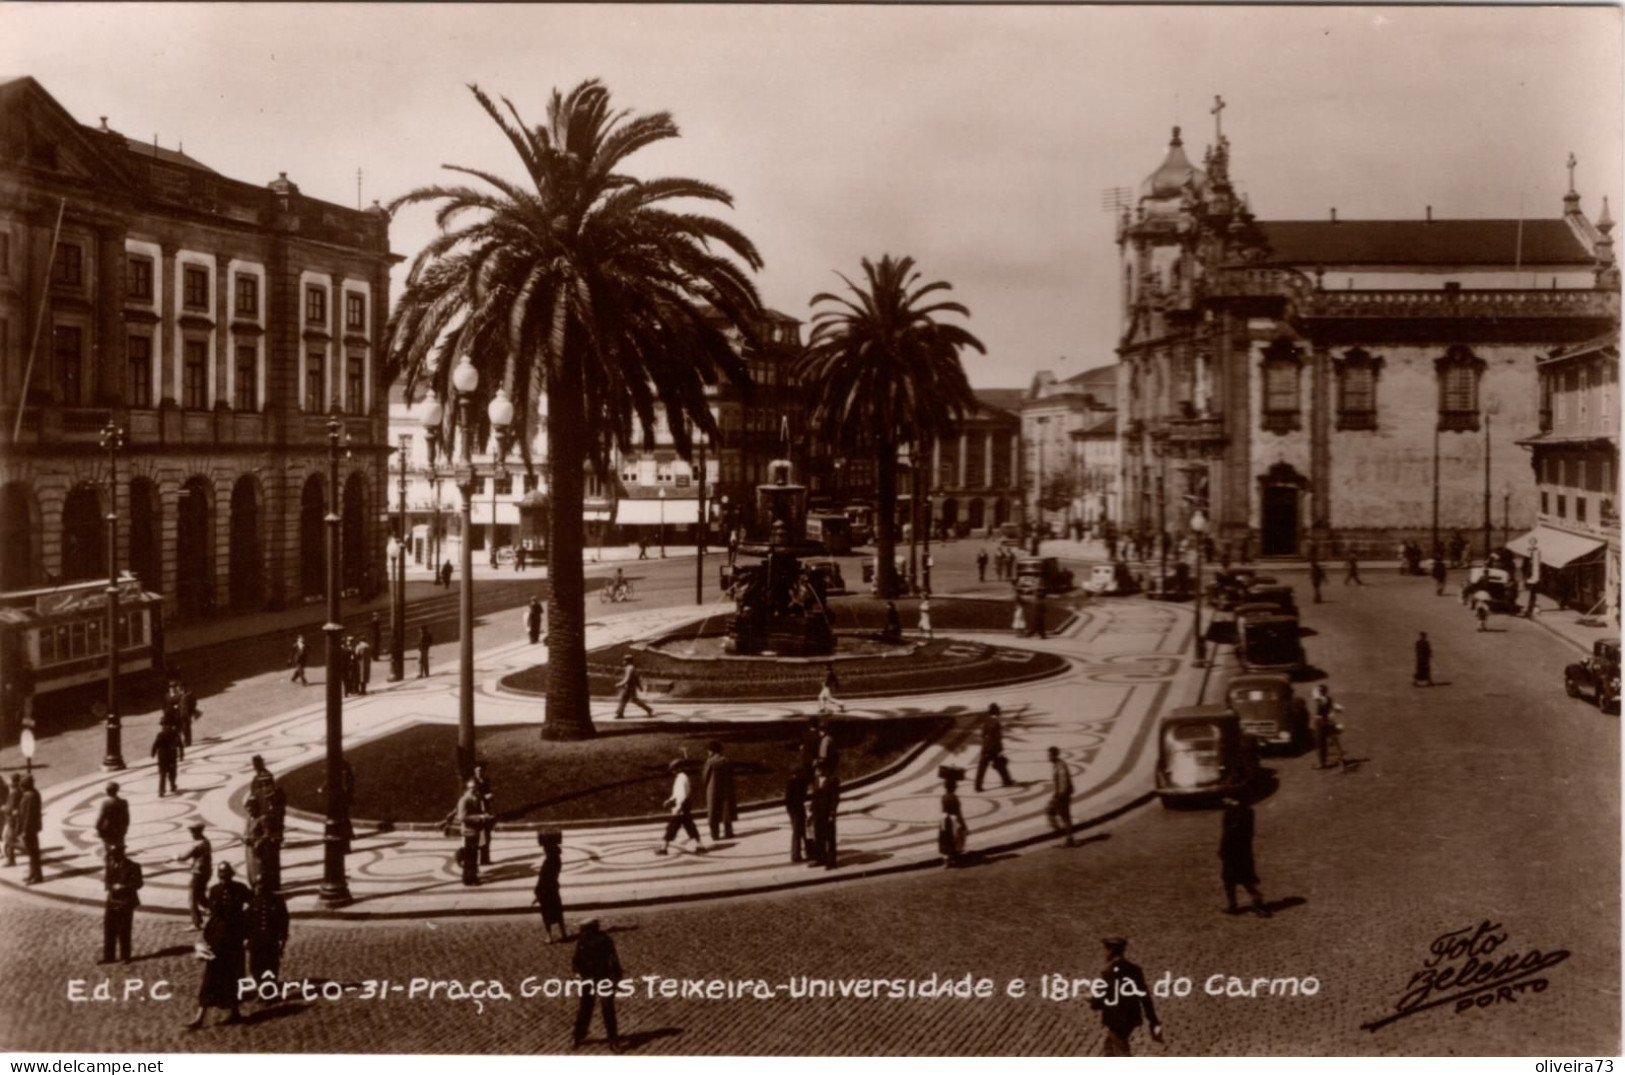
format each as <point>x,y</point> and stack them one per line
<point>1204,430</point>
<point>1490,303</point>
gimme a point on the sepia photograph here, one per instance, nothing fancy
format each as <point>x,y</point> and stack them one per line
<point>852,530</point>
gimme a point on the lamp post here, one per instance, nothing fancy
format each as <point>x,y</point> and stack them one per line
<point>397,588</point>
<point>662,494</point>
<point>1490,409</point>
<point>1199,528</point>
<point>1436,545</point>
<point>112,443</point>
<point>700,534</point>
<point>335,889</point>
<point>1038,489</point>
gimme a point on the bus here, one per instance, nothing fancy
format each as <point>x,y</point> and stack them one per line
<point>54,639</point>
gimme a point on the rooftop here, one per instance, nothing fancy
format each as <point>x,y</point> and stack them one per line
<point>1425,242</point>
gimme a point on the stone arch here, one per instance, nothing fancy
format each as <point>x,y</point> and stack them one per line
<point>313,537</point>
<point>194,547</point>
<point>950,513</point>
<point>247,564</point>
<point>146,555</point>
<point>976,513</point>
<point>19,537</point>
<point>1001,511</point>
<point>84,531</point>
<point>353,535</point>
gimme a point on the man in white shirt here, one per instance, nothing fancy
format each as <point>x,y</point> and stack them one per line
<point>682,809</point>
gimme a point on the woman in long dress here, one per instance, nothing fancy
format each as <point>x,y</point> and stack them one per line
<point>547,884</point>
<point>223,937</point>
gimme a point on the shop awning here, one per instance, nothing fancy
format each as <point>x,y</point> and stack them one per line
<point>507,512</point>
<point>685,512</point>
<point>1558,548</point>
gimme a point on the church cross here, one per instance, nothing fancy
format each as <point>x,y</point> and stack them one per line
<point>1572,163</point>
<point>1218,119</point>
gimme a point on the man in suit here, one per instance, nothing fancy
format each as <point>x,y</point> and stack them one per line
<point>721,806</point>
<point>598,966</point>
<point>168,749</point>
<point>201,857</point>
<point>992,749</point>
<point>29,814</point>
<point>123,881</point>
<point>363,666</point>
<point>533,619</point>
<point>1236,855</point>
<point>1127,1000</point>
<point>482,784</point>
<point>113,820</point>
<point>628,686</point>
<point>471,819</point>
<point>796,786</point>
<point>826,801</point>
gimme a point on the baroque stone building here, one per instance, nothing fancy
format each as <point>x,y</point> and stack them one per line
<point>1350,383</point>
<point>218,323</point>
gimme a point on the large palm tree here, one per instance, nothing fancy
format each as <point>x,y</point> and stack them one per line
<point>582,285</point>
<point>881,372</point>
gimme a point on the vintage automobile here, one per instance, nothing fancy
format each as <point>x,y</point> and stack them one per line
<point>1597,676</point>
<point>1268,641</point>
<point>1111,579</point>
<point>1274,594</point>
<point>829,574</point>
<point>1203,753</point>
<point>1045,574</point>
<point>1269,710</point>
<point>1495,583</point>
<point>1177,584</point>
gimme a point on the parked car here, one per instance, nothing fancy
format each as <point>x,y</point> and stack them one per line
<point>1281,597</point>
<point>829,575</point>
<point>1177,584</point>
<point>1042,573</point>
<point>1597,675</point>
<point>1269,710</point>
<point>1111,579</point>
<point>1268,641</point>
<point>1203,753</point>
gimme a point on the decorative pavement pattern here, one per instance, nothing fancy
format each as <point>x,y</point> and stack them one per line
<point>1126,657</point>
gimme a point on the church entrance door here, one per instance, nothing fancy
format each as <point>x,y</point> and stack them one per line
<point>1280,520</point>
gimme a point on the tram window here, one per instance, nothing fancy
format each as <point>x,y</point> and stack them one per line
<point>63,650</point>
<point>93,640</point>
<point>138,629</point>
<point>47,646</point>
<point>78,637</point>
<point>123,632</point>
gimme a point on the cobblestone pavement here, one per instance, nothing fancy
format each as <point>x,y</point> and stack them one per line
<point>1488,798</point>
<point>1125,658</point>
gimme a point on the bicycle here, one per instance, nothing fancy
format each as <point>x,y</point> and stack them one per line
<point>609,594</point>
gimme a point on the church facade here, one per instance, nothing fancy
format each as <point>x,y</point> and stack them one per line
<point>1337,386</point>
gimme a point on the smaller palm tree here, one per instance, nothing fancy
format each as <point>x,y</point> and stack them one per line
<point>881,372</point>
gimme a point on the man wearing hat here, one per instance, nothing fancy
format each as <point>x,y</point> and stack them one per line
<point>629,684</point>
<point>113,819</point>
<point>598,966</point>
<point>721,803</point>
<point>201,856</point>
<point>1236,855</point>
<point>471,820</point>
<point>168,749</point>
<point>122,881</point>
<point>1126,1002</point>
<point>681,802</point>
<point>28,814</point>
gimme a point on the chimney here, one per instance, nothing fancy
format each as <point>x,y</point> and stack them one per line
<point>1430,214</point>
<point>1334,214</point>
<point>103,127</point>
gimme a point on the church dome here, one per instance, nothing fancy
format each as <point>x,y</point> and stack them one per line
<point>1169,180</point>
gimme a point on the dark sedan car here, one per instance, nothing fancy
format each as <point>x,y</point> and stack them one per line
<point>1596,677</point>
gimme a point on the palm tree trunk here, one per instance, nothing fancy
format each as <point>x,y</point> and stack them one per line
<point>885,517</point>
<point>568,713</point>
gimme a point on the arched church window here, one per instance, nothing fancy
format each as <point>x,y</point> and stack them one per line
<point>1357,371</point>
<point>1282,369</point>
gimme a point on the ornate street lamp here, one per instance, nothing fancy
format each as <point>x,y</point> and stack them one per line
<point>112,444</point>
<point>335,888</point>
<point>397,588</point>
<point>465,379</point>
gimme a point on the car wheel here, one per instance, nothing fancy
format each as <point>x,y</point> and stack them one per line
<point>1569,686</point>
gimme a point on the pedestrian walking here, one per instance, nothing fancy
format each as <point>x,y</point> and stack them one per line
<point>925,615</point>
<point>300,658</point>
<point>1351,572</point>
<point>534,614</point>
<point>682,809</point>
<point>519,558</point>
<point>894,623</point>
<point>425,640</point>
<point>981,566</point>
<point>122,882</point>
<point>113,820</point>
<point>1125,1001</point>
<point>266,927</point>
<point>629,683</point>
<point>1059,810</point>
<point>1037,625</point>
<point>200,856</point>
<point>721,803</point>
<point>597,967</point>
<point>363,666</point>
<point>1440,575</point>
<point>29,814</point>
<point>548,896</point>
<point>221,949</point>
<point>826,804</point>
<point>262,783</point>
<point>951,828</point>
<point>1423,676</point>
<point>992,753</point>
<point>12,835</point>
<point>1317,578</point>
<point>169,750</point>
<point>826,693</point>
<point>643,547</point>
<point>1236,855</point>
<point>445,574</point>
<point>469,817</point>
<point>185,710</point>
<point>796,787</point>
<point>482,785</point>
<point>1326,727</point>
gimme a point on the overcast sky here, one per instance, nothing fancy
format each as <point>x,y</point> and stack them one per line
<point>977,139</point>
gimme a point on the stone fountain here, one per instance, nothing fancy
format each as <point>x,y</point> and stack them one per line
<point>779,606</point>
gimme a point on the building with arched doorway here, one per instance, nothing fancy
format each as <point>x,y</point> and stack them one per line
<point>221,325</point>
<point>1340,385</point>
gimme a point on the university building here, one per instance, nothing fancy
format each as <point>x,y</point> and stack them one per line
<point>1053,411</point>
<point>1340,385</point>
<point>219,323</point>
